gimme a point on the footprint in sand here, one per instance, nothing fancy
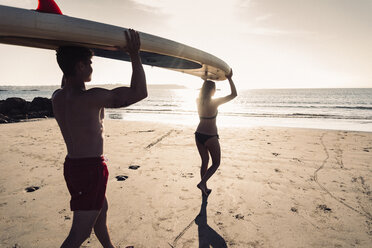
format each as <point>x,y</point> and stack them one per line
<point>239,177</point>
<point>267,203</point>
<point>324,208</point>
<point>134,167</point>
<point>32,189</point>
<point>275,154</point>
<point>146,131</point>
<point>296,159</point>
<point>294,209</point>
<point>239,217</point>
<point>62,211</point>
<point>121,178</point>
<point>187,175</point>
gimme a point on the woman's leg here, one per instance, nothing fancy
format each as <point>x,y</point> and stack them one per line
<point>213,147</point>
<point>203,152</point>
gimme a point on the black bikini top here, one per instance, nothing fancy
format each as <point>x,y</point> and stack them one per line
<point>209,118</point>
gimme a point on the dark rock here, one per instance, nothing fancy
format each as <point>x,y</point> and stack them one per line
<point>13,106</point>
<point>40,114</point>
<point>15,109</point>
<point>133,167</point>
<point>32,188</point>
<point>18,117</point>
<point>4,119</point>
<point>41,105</point>
<point>121,178</point>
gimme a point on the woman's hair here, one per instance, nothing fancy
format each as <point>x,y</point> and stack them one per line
<point>206,89</point>
<point>69,56</point>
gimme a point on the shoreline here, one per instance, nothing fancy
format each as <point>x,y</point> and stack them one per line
<point>195,124</point>
<point>224,121</point>
<point>276,187</point>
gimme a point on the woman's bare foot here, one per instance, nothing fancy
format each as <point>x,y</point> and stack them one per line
<point>204,189</point>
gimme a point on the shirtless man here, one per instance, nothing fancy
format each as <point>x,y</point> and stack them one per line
<point>79,114</point>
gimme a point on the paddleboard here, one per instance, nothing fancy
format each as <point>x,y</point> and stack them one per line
<point>49,31</point>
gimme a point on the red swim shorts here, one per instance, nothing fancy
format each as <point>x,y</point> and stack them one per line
<point>86,180</point>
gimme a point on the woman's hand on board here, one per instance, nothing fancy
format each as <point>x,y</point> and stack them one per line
<point>229,76</point>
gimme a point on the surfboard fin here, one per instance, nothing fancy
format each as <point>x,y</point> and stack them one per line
<point>48,6</point>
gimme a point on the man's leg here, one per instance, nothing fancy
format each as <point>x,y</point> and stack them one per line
<point>82,224</point>
<point>100,228</point>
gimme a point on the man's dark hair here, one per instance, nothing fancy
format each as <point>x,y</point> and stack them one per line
<point>69,56</point>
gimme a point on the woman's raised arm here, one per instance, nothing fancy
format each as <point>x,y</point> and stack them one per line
<point>233,93</point>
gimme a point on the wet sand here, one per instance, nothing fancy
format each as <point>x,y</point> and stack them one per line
<point>276,187</point>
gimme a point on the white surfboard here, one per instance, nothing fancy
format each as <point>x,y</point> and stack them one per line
<point>49,31</point>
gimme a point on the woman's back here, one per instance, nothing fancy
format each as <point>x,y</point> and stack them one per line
<point>207,111</point>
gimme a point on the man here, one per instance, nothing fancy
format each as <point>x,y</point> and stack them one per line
<point>79,114</point>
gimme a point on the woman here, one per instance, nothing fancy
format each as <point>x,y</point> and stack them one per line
<point>206,135</point>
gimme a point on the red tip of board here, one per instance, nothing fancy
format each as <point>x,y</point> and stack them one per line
<point>48,6</point>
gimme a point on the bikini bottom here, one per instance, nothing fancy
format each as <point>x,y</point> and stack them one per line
<point>202,138</point>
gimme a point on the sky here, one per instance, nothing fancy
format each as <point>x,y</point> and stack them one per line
<point>268,43</point>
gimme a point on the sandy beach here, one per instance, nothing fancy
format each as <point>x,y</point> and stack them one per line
<point>276,187</point>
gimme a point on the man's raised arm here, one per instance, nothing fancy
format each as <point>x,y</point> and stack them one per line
<point>125,96</point>
<point>138,81</point>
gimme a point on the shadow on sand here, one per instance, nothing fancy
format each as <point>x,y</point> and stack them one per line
<point>207,236</point>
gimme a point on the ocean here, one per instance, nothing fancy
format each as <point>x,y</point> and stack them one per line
<point>336,109</point>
